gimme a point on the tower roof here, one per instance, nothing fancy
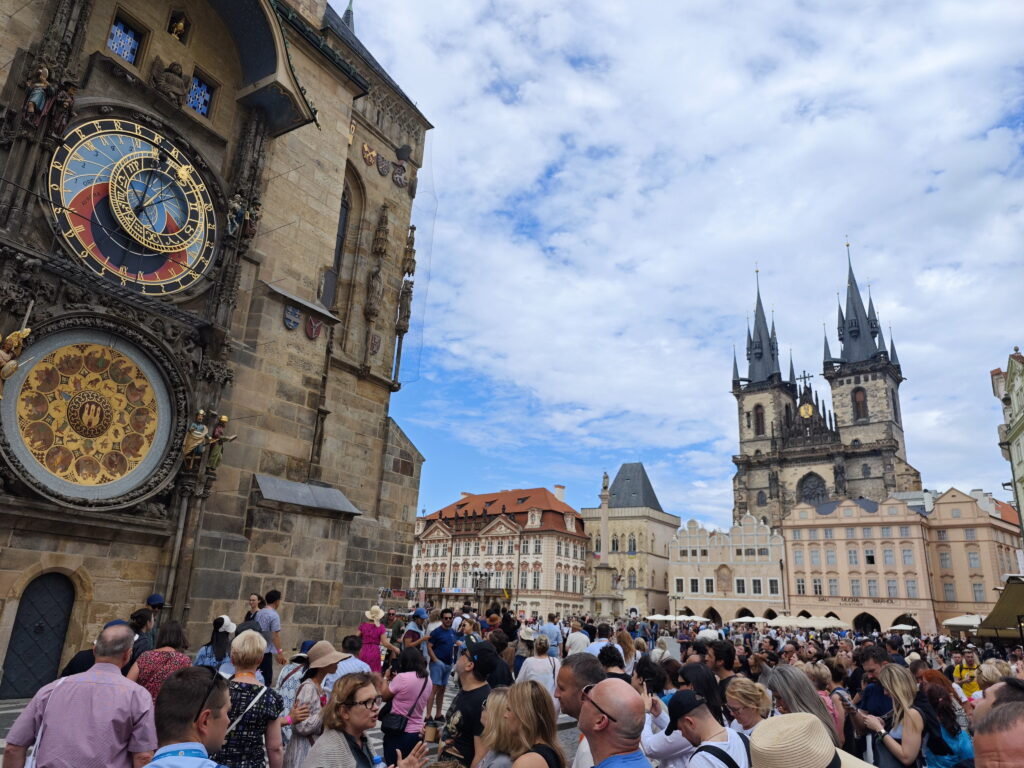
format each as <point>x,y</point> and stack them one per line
<point>762,346</point>
<point>857,329</point>
<point>632,488</point>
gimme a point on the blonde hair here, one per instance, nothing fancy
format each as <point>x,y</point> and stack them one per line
<point>820,675</point>
<point>341,696</point>
<point>641,645</point>
<point>991,671</point>
<point>498,735</point>
<point>747,693</point>
<point>576,626</point>
<point>541,644</point>
<point>247,649</point>
<point>532,706</point>
<point>902,688</point>
<point>626,642</point>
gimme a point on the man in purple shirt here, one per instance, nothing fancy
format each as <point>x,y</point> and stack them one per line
<point>96,719</point>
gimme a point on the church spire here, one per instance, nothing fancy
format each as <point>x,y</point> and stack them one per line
<point>762,345</point>
<point>348,18</point>
<point>858,332</point>
<point>881,342</point>
<point>828,352</point>
<point>735,370</point>
<point>792,371</point>
<point>893,357</point>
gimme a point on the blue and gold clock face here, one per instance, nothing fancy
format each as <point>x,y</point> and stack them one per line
<point>132,207</point>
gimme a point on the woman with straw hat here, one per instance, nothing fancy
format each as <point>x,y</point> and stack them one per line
<point>374,635</point>
<point>798,739</point>
<point>322,660</point>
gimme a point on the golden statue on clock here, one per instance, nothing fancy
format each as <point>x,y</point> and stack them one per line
<point>132,207</point>
<point>806,411</point>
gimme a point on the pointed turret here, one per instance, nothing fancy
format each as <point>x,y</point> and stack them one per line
<point>762,346</point>
<point>828,352</point>
<point>348,18</point>
<point>893,357</point>
<point>881,342</point>
<point>858,337</point>
<point>735,371</point>
<point>840,321</point>
<point>792,371</point>
<point>872,317</point>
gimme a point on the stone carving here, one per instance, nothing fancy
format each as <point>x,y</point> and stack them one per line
<point>404,307</point>
<point>169,81</point>
<point>374,294</point>
<point>604,482</point>
<point>236,212</point>
<point>217,440</point>
<point>10,351</point>
<point>37,97</point>
<point>839,473</point>
<point>409,255</point>
<point>63,109</point>
<point>773,484</point>
<point>196,440</point>
<point>380,234</point>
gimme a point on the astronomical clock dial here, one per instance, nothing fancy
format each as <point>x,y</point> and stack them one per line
<point>132,207</point>
<point>806,411</point>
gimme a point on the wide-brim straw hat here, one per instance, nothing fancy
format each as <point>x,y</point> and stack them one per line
<point>323,654</point>
<point>376,613</point>
<point>797,739</point>
<point>526,634</point>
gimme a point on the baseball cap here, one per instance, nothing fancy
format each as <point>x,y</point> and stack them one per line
<point>682,703</point>
<point>115,623</point>
<point>155,599</point>
<point>483,654</point>
<point>419,613</point>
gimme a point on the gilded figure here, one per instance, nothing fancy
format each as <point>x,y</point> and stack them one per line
<point>10,351</point>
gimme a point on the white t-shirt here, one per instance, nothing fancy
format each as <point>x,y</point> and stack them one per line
<point>583,759</point>
<point>734,747</point>
<point>576,642</point>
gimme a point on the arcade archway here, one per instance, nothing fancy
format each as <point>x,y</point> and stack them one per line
<point>865,623</point>
<point>714,616</point>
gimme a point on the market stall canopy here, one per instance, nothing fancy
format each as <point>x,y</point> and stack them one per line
<point>967,621</point>
<point>1005,617</point>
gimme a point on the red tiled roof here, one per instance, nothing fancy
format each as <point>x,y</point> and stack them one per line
<point>1007,512</point>
<point>516,504</point>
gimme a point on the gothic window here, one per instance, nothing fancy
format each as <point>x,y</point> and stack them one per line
<point>597,544</point>
<point>865,470</point>
<point>811,489</point>
<point>895,406</point>
<point>631,579</point>
<point>762,498</point>
<point>789,415</point>
<point>860,403</point>
<point>632,544</point>
<point>124,39</point>
<point>758,420</point>
<point>615,543</point>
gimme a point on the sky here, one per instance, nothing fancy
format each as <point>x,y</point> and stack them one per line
<point>603,178</point>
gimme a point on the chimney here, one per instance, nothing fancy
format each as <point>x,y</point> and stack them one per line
<point>560,492</point>
<point>465,494</point>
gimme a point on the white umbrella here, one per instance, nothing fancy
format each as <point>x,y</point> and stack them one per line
<point>781,621</point>
<point>749,620</point>
<point>967,621</point>
<point>683,617</point>
<point>901,628</point>
<point>835,623</point>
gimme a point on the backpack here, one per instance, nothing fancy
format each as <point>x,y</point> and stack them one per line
<point>721,755</point>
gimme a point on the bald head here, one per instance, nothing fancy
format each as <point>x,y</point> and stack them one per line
<point>114,642</point>
<point>623,711</point>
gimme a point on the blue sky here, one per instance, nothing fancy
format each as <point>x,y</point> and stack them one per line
<point>603,177</point>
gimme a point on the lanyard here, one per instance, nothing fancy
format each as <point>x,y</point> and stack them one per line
<point>183,753</point>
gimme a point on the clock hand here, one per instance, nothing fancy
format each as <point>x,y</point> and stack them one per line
<point>149,202</point>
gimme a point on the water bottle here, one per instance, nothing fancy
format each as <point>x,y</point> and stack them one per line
<point>378,761</point>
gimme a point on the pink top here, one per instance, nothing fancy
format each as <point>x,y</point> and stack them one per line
<point>410,698</point>
<point>156,666</point>
<point>831,707</point>
<point>371,634</point>
<point>112,718</point>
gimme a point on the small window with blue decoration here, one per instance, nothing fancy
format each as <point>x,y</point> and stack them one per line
<point>125,39</point>
<point>200,95</point>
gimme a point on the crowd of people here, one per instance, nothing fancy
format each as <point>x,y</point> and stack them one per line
<point>690,696</point>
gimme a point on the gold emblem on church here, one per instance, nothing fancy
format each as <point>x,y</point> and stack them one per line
<point>369,155</point>
<point>87,413</point>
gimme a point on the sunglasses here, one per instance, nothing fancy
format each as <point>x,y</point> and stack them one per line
<point>585,695</point>
<point>374,703</point>
<point>209,690</point>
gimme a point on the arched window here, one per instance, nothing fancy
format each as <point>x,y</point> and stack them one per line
<point>632,544</point>
<point>631,580</point>
<point>615,543</point>
<point>811,489</point>
<point>597,544</point>
<point>789,415</point>
<point>762,498</point>
<point>895,406</point>
<point>860,403</point>
<point>758,420</point>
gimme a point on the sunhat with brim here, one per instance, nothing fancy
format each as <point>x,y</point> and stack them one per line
<point>527,635</point>
<point>227,625</point>
<point>797,739</point>
<point>323,654</point>
<point>376,613</point>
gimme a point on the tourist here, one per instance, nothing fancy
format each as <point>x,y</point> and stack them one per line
<point>112,716</point>
<point>541,667</point>
<point>720,658</point>
<point>253,606</point>
<point>841,700</point>
<point>415,636</point>
<point>524,647</point>
<point>990,672</point>
<point>218,650</point>
<point>153,667</point>
<point>688,711</point>
<point>578,671</point>
<point>660,652</point>
<point>141,622</point>
<point>323,660</point>
<point>462,727</point>
<point>531,713</point>
<point>697,677</point>
<point>554,635</point>
<point>794,692</point>
<point>155,603</point>
<point>628,650</point>
<point>441,647</point>
<point>821,678</point>
<point>872,659</point>
<point>502,674</point>
<point>903,737</point>
<point>604,634</point>
<point>577,640</point>
<point>956,694</point>
<point>612,718</point>
<point>191,718</point>
<point>254,736</point>
<point>270,627</point>
<point>965,674</point>
<point>1007,690</point>
<point>999,737</point>
<point>614,666</point>
<point>498,739</point>
<point>396,628</point>
<point>351,712</point>
<point>956,738</point>
<point>288,681</point>
<point>350,665</point>
<point>374,635</point>
<point>749,703</point>
<point>649,678</point>
<point>798,740</point>
<point>407,687</point>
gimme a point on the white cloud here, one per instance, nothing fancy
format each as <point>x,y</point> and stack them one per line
<point>607,175</point>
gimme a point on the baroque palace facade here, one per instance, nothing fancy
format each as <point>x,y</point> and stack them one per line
<point>524,548</point>
<point>206,275</point>
<point>832,492</point>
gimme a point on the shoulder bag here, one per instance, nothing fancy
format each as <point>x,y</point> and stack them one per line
<point>393,723</point>
<point>252,704</point>
<point>30,760</point>
<point>721,755</point>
